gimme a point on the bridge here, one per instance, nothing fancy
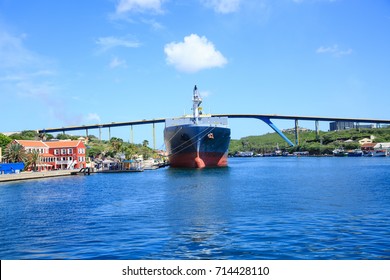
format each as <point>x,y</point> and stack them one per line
<point>265,118</point>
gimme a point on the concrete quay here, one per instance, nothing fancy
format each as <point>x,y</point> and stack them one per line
<point>33,175</point>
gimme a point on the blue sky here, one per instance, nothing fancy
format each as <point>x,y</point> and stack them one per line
<point>86,62</point>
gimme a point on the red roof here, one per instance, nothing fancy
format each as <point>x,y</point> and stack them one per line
<point>50,144</point>
<point>32,143</point>
<point>62,144</point>
<point>368,145</point>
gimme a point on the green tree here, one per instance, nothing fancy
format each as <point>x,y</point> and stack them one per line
<point>4,141</point>
<point>92,138</point>
<point>146,152</point>
<point>63,136</point>
<point>15,153</point>
<point>25,135</point>
<point>351,146</point>
<point>116,144</point>
<point>130,151</point>
<point>94,151</point>
<point>32,159</point>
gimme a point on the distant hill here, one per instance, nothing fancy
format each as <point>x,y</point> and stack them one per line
<point>324,144</point>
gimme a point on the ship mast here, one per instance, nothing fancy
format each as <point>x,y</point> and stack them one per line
<point>196,101</point>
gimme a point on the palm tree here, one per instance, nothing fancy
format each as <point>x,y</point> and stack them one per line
<point>33,159</point>
<point>116,144</point>
<point>145,143</point>
<point>15,153</point>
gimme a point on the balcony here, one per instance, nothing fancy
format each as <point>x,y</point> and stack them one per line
<point>64,161</point>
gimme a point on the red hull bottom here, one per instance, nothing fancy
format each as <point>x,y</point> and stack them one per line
<point>191,160</point>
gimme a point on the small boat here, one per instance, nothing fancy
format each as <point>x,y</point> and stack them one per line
<point>339,152</point>
<point>244,154</point>
<point>376,153</point>
<point>355,153</point>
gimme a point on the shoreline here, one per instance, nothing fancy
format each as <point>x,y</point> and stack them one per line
<point>34,175</point>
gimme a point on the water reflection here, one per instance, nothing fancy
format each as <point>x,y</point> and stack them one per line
<point>197,210</point>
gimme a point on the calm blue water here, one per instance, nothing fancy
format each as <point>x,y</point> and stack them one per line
<point>257,208</point>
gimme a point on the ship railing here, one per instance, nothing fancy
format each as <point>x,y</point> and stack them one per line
<point>210,121</point>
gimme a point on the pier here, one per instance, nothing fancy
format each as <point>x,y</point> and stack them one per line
<point>33,175</point>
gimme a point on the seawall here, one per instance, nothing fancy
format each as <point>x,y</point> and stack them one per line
<point>33,175</point>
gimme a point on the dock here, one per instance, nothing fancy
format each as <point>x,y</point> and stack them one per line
<point>33,175</point>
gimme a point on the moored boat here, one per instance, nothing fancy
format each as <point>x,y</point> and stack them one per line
<point>355,153</point>
<point>339,152</point>
<point>197,140</point>
<point>376,153</point>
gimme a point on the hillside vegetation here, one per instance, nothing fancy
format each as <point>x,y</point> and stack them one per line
<point>325,143</point>
<point>116,147</point>
<point>308,141</point>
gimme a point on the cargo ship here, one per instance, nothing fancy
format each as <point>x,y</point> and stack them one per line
<point>197,140</point>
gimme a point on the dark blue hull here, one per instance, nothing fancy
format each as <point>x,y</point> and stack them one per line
<point>197,146</point>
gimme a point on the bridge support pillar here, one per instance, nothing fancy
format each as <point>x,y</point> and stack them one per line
<point>154,136</point>
<point>100,133</point>
<point>317,130</point>
<point>296,132</point>
<point>131,135</point>
<point>109,133</point>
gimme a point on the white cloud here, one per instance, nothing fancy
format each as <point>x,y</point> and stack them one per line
<point>125,6</point>
<point>23,72</point>
<point>205,94</point>
<point>14,55</point>
<point>110,42</point>
<point>223,6</point>
<point>155,25</point>
<point>116,63</point>
<point>334,50</point>
<point>194,54</point>
<point>29,79</point>
<point>93,117</point>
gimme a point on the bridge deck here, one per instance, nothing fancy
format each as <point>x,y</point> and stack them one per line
<point>233,116</point>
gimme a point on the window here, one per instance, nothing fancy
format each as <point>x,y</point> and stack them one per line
<point>63,151</point>
<point>70,151</point>
<point>56,152</point>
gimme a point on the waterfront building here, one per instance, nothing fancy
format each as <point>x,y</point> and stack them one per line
<point>54,155</point>
<point>368,146</point>
<point>384,146</point>
<point>367,140</point>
